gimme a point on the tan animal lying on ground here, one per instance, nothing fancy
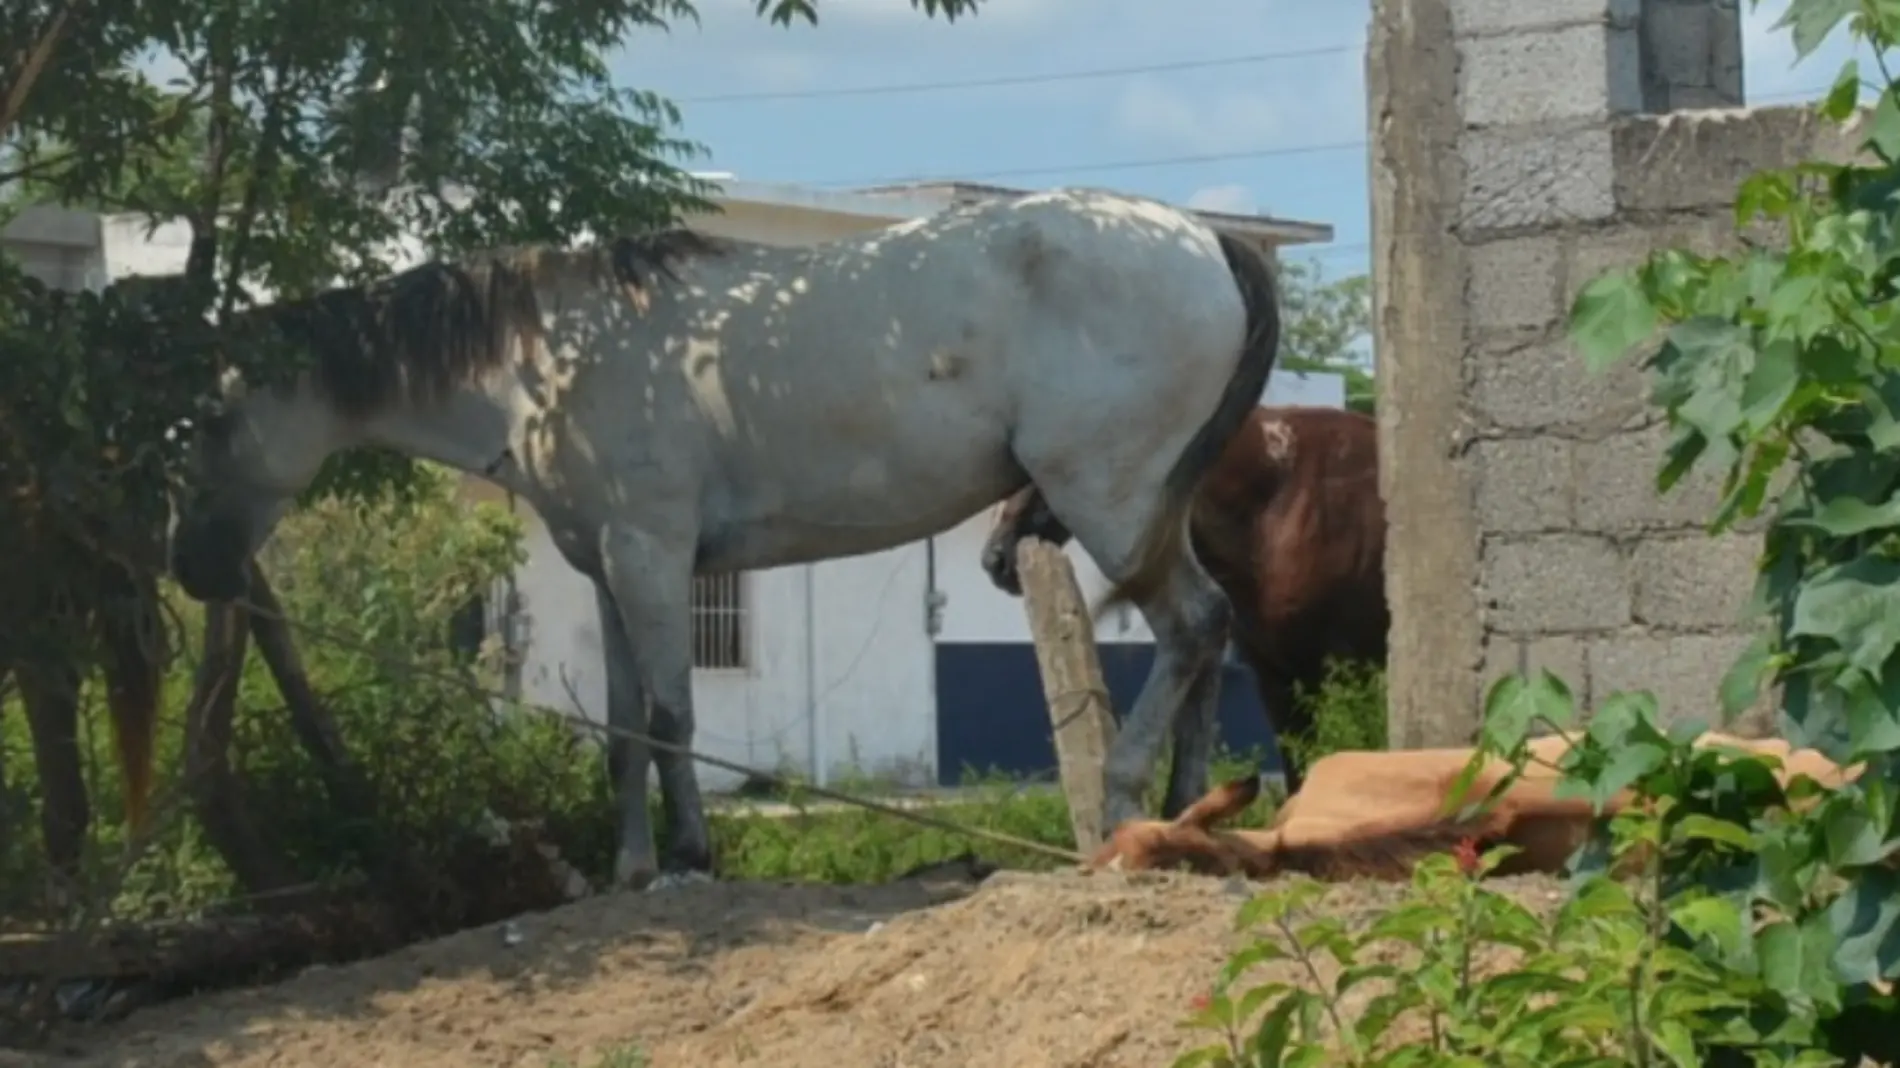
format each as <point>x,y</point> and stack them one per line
<point>1375,815</point>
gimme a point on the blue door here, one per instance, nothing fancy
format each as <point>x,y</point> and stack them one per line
<point>990,713</point>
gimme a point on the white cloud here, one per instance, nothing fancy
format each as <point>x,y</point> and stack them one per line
<point>1234,199</point>
<point>1204,123</point>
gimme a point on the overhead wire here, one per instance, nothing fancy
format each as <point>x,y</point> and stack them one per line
<point>1044,78</point>
<point>1179,160</point>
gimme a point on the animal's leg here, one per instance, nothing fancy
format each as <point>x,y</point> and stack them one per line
<point>628,755</point>
<point>50,694</point>
<point>1026,514</point>
<point>6,793</point>
<point>1288,718</point>
<point>1194,727</point>
<point>652,583</point>
<point>1190,619</point>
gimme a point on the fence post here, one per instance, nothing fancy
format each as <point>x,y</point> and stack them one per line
<point>1071,682</point>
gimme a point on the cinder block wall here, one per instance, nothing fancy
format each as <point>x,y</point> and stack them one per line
<point>1520,147</point>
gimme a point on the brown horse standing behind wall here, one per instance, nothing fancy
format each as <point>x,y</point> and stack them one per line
<point>1289,522</point>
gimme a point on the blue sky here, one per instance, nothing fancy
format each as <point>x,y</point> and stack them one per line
<point>1287,133</point>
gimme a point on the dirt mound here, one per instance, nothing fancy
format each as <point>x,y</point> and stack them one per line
<point>1066,969</point>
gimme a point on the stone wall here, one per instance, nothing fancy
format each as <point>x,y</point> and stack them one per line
<point>1519,148</point>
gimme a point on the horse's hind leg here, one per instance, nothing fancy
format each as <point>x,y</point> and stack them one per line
<point>629,757</point>
<point>1194,727</point>
<point>1027,515</point>
<point>1190,618</point>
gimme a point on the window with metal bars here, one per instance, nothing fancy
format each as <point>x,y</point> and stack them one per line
<point>720,623</point>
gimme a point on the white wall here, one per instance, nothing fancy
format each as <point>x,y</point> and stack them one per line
<point>858,686</point>
<point>974,610</point>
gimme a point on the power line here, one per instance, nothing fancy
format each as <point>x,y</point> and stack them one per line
<point>1173,161</point>
<point>1023,79</point>
<point>1114,165</point>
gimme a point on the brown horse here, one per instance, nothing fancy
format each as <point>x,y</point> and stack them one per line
<point>119,618</point>
<point>1375,815</point>
<point>1290,524</point>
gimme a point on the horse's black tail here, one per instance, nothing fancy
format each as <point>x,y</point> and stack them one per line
<point>1162,542</point>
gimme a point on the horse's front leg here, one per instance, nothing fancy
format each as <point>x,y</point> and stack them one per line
<point>50,694</point>
<point>650,578</point>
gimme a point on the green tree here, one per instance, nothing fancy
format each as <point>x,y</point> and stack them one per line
<point>1328,327</point>
<point>302,143</point>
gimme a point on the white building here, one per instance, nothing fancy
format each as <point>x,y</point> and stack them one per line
<point>905,664</point>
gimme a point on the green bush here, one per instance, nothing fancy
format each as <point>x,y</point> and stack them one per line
<point>373,591</point>
<point>1666,967</point>
<point>1348,709</point>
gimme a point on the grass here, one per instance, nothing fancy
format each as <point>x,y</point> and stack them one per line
<point>849,845</point>
<point>628,1056</point>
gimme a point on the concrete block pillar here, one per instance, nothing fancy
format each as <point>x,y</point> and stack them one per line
<point>1491,149</point>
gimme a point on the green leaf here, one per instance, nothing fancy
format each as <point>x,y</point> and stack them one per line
<point>1610,316</point>
<point>1855,833</point>
<point>1203,1057</point>
<point>1844,96</point>
<point>1771,382</point>
<point>1627,765</point>
<point>1765,193</point>
<point>1812,21</point>
<point>1516,703</point>
<point>1741,683</point>
<point>1719,921</point>
<point>1844,517</point>
<point>1856,605</point>
<point>1697,827</point>
<point>1866,921</point>
<point>1271,1039</point>
<point>1883,130</point>
<point>1705,376</point>
<point>1873,714</point>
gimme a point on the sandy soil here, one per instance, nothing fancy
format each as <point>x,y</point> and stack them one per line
<point>1058,970</point>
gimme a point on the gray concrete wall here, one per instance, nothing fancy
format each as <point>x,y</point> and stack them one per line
<point>1518,149</point>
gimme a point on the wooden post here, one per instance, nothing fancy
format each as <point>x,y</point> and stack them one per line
<point>1071,682</point>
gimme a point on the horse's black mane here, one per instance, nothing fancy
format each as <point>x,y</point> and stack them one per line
<point>417,335</point>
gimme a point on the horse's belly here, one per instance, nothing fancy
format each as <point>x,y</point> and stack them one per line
<point>788,514</point>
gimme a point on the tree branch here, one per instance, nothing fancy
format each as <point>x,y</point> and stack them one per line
<point>36,59</point>
<point>263,168</point>
<point>37,167</point>
<point>201,265</point>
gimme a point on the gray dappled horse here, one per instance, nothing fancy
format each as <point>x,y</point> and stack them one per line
<point>673,404</point>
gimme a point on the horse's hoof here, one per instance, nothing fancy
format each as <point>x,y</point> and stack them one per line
<point>678,880</point>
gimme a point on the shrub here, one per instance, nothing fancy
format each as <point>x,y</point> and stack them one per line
<point>373,591</point>
<point>1669,967</point>
<point>1349,712</point>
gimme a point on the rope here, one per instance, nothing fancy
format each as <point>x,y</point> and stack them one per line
<point>924,819</point>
